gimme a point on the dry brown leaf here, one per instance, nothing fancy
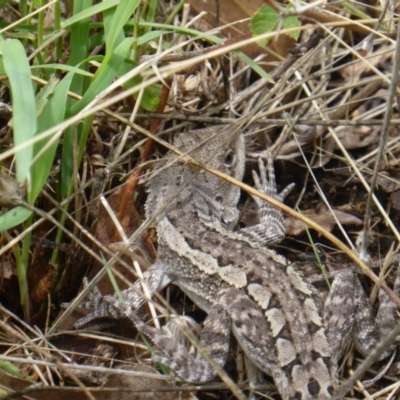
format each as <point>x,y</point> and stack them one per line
<point>356,138</point>
<point>236,10</point>
<point>10,190</point>
<point>324,218</point>
<point>356,69</point>
<point>396,200</point>
<point>149,385</point>
<point>115,380</point>
<point>7,268</point>
<point>106,233</point>
<point>105,230</point>
<point>9,381</point>
<point>387,183</point>
<point>41,274</point>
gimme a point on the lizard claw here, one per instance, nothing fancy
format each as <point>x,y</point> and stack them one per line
<point>97,304</point>
<point>268,186</point>
<point>95,297</point>
<point>271,228</point>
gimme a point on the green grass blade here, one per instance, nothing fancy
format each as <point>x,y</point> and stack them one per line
<point>42,97</point>
<point>105,74</point>
<point>89,12</point>
<point>69,68</point>
<point>147,37</point>
<point>121,16</point>
<point>79,52</point>
<point>79,45</point>
<point>254,66</point>
<point>108,18</point>
<point>44,151</point>
<point>151,12</point>
<point>16,66</point>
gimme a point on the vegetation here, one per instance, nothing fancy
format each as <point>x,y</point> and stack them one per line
<point>91,94</point>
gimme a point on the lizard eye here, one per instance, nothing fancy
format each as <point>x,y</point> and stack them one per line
<point>229,157</point>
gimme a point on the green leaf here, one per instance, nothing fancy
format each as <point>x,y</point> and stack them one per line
<point>13,370</point>
<point>292,22</point>
<point>17,68</point>
<point>14,217</point>
<point>10,368</point>
<point>151,98</point>
<point>151,95</point>
<point>266,19</point>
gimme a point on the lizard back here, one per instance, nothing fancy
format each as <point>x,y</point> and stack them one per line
<point>271,307</point>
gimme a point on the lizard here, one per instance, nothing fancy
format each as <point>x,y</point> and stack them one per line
<point>245,287</point>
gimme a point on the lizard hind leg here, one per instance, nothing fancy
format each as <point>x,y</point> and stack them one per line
<point>349,316</point>
<point>214,345</point>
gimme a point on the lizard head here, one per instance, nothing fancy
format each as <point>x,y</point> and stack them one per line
<point>220,147</point>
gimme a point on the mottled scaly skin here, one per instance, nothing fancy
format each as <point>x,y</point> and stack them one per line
<point>244,287</point>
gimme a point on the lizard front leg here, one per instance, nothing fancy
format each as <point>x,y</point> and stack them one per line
<point>271,228</point>
<point>105,306</point>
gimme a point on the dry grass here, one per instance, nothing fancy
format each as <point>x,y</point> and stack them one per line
<point>328,117</point>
